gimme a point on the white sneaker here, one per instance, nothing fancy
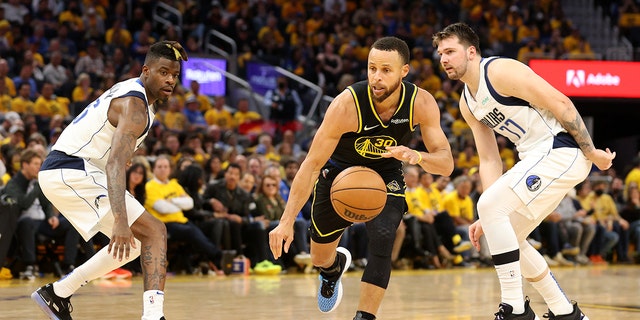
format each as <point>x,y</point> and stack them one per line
<point>560,259</point>
<point>535,244</point>
<point>582,259</point>
<point>550,262</point>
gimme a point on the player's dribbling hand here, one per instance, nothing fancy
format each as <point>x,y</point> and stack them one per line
<point>277,236</point>
<point>603,159</point>
<point>121,240</point>
<point>475,232</point>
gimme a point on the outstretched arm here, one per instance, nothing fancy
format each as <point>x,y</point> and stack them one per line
<point>129,116</point>
<point>512,78</point>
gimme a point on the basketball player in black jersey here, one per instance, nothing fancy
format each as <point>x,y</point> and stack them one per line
<point>367,124</point>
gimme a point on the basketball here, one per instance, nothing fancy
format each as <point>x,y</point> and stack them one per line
<point>358,194</point>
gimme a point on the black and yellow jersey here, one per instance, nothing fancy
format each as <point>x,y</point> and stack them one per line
<point>365,146</point>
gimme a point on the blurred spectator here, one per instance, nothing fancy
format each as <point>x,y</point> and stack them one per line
<point>4,76</point>
<point>244,115</point>
<point>48,104</point>
<point>205,103</point>
<point>22,103</point>
<point>234,204</point>
<point>26,76</point>
<point>174,119</point>
<point>83,90</point>
<point>194,117</point>
<point>93,23</point>
<point>56,73</point>
<point>15,11</point>
<point>166,200</point>
<point>38,217</point>
<point>284,103</point>
<point>92,63</point>
<point>579,227</point>
<point>220,114</point>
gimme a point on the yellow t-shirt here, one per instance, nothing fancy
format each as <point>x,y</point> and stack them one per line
<point>242,117</point>
<point>79,94</point>
<point>22,105</point>
<point>5,103</point>
<point>11,87</point>
<point>417,201</point>
<point>222,118</point>
<point>457,207</point>
<point>175,120</point>
<point>48,108</point>
<point>157,190</point>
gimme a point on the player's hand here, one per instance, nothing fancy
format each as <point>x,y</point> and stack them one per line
<point>402,153</point>
<point>281,233</point>
<point>475,232</point>
<point>121,240</point>
<point>603,159</point>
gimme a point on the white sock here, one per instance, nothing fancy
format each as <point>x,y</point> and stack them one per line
<point>554,297</point>
<point>100,264</point>
<point>511,285</point>
<point>153,301</point>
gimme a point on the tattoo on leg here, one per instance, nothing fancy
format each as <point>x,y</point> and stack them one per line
<point>154,267</point>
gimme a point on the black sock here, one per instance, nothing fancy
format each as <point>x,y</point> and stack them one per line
<point>364,316</point>
<point>334,270</point>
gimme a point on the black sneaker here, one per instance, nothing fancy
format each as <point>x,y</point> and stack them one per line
<point>330,290</point>
<point>575,315</point>
<point>505,312</point>
<point>55,307</point>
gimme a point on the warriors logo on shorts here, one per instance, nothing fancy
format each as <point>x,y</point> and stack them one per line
<point>533,183</point>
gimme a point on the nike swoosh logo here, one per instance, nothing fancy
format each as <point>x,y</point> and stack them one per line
<point>369,128</point>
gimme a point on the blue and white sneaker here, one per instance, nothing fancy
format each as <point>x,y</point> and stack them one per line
<point>330,291</point>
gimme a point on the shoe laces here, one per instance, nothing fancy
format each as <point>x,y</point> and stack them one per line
<point>502,312</point>
<point>328,287</point>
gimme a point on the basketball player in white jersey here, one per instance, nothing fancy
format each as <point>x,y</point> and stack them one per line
<point>555,150</point>
<point>86,182</point>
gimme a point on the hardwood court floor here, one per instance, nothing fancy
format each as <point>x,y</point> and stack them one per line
<point>604,292</point>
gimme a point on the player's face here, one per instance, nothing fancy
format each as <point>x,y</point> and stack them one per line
<point>161,77</point>
<point>385,72</point>
<point>453,57</point>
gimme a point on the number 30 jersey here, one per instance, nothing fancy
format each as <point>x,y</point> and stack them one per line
<point>531,129</point>
<point>89,134</point>
<point>365,146</point>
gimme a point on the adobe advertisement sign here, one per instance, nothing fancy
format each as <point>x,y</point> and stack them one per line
<point>601,79</point>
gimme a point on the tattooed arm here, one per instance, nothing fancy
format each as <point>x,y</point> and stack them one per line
<point>513,78</point>
<point>129,116</point>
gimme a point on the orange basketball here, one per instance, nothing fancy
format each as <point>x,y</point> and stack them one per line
<point>358,194</point>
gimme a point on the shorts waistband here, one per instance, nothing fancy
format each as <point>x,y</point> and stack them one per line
<point>60,160</point>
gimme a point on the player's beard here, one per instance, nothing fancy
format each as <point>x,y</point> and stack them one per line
<point>458,72</point>
<point>388,92</point>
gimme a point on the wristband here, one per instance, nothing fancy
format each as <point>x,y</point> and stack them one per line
<point>419,156</point>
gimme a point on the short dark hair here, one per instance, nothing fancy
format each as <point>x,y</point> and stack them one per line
<point>171,50</point>
<point>393,44</point>
<point>27,155</point>
<point>466,35</point>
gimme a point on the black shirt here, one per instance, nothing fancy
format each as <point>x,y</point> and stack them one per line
<point>365,146</point>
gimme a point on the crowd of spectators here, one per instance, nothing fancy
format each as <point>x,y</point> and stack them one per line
<point>231,168</point>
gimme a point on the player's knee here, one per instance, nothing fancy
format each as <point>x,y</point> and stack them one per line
<point>484,207</point>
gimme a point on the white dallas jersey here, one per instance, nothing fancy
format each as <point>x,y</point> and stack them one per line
<point>531,129</point>
<point>89,135</point>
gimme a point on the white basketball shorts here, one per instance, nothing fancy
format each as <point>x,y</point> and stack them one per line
<point>82,197</point>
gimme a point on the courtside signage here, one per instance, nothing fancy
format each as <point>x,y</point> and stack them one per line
<point>604,79</point>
